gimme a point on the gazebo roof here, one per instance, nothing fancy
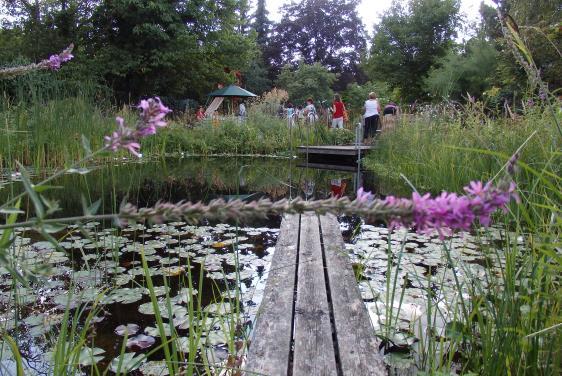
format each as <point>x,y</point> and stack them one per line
<point>232,91</point>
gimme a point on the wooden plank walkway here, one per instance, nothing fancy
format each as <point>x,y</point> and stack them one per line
<point>312,320</point>
<point>335,150</point>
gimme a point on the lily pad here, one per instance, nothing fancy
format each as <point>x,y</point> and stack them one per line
<point>89,356</point>
<point>125,295</point>
<point>127,363</point>
<point>130,329</point>
<point>219,308</point>
<point>141,342</point>
<point>154,368</point>
<point>155,332</point>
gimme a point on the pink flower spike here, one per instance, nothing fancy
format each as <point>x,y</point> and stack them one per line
<point>364,196</point>
<point>54,62</point>
<point>134,148</point>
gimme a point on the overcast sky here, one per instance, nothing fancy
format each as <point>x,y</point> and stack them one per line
<point>371,10</point>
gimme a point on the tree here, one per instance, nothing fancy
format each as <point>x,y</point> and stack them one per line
<point>328,32</point>
<point>255,77</point>
<point>355,95</point>
<point>461,72</point>
<point>308,80</point>
<point>137,47</point>
<point>409,41</point>
<point>262,25</point>
<point>169,47</point>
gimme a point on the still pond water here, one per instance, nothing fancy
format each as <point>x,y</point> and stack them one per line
<point>195,269</point>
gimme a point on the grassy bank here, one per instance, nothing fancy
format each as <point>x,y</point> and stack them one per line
<point>258,136</point>
<point>48,134</point>
<point>507,316</point>
<point>445,154</point>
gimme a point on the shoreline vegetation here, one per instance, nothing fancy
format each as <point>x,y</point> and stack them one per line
<point>48,135</point>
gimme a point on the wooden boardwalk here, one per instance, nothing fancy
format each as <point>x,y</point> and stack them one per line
<point>335,150</point>
<point>312,320</point>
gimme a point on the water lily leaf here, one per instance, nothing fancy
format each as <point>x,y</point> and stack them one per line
<point>125,295</point>
<point>130,329</point>
<point>126,363</point>
<point>183,344</point>
<point>141,341</point>
<point>219,308</point>
<point>89,356</point>
<point>215,337</point>
<point>184,295</point>
<point>155,332</point>
<point>399,360</point>
<point>173,271</point>
<point>154,368</point>
<point>148,309</point>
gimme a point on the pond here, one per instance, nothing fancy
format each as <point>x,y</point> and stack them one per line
<point>206,281</point>
<point>100,275</point>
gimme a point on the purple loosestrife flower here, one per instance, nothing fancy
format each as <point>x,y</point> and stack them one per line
<point>363,196</point>
<point>449,212</point>
<point>123,138</point>
<point>151,117</point>
<point>54,61</point>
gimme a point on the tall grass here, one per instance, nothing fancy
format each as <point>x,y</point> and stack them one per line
<point>48,134</point>
<point>506,323</point>
<point>259,134</point>
<point>438,154</point>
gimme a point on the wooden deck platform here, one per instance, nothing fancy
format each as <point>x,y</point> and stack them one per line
<point>312,320</point>
<point>335,150</point>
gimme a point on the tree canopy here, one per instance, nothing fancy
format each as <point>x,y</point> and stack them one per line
<point>184,48</point>
<point>308,80</point>
<point>328,32</point>
<point>408,42</point>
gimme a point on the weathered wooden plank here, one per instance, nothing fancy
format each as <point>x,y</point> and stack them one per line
<point>313,345</point>
<point>357,343</point>
<point>350,150</point>
<point>270,348</point>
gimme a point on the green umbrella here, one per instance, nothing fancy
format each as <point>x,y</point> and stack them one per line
<point>232,91</point>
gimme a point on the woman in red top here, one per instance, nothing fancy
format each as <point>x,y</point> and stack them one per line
<point>338,109</point>
<point>200,114</point>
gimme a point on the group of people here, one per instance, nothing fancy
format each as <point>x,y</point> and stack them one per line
<point>200,113</point>
<point>309,115</point>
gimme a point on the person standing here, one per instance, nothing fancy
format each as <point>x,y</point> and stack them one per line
<point>200,114</point>
<point>338,109</point>
<point>389,115</point>
<point>371,116</point>
<point>310,111</point>
<point>290,114</point>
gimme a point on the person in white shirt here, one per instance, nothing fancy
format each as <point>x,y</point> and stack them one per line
<point>372,110</point>
<point>310,111</point>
